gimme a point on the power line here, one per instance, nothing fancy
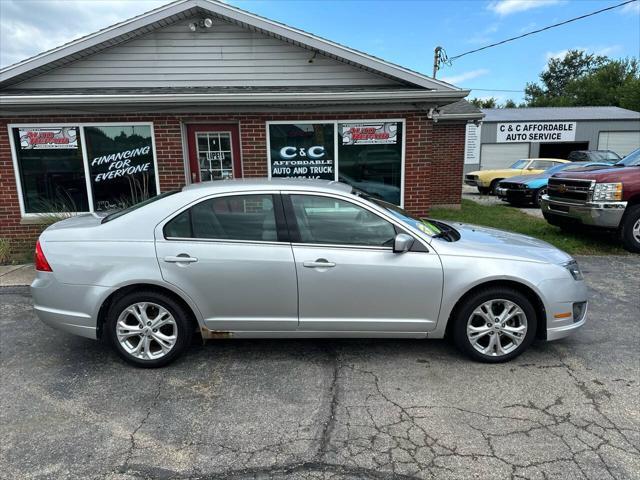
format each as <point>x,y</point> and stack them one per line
<point>450,59</point>
<point>493,90</point>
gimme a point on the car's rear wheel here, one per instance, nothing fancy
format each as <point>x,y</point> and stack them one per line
<point>494,325</point>
<point>630,231</point>
<point>148,329</point>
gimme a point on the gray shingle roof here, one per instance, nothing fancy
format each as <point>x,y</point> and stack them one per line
<point>459,107</point>
<point>535,114</point>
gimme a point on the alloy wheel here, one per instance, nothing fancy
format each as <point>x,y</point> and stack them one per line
<point>636,231</point>
<point>497,327</point>
<point>146,330</point>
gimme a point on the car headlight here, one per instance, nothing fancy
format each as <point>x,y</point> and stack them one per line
<point>607,191</point>
<point>574,269</point>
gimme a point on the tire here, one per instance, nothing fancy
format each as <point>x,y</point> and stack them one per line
<point>174,334</point>
<point>514,336</point>
<point>484,190</point>
<point>537,197</point>
<point>494,185</point>
<point>630,230</point>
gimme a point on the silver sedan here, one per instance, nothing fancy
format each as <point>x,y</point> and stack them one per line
<point>298,259</point>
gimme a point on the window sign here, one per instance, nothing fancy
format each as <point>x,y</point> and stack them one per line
<point>369,133</point>
<point>370,158</point>
<point>52,166</point>
<point>48,138</point>
<point>50,169</point>
<point>302,150</point>
<point>121,166</point>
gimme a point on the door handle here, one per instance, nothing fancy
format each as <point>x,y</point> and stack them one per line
<point>182,258</point>
<point>319,263</point>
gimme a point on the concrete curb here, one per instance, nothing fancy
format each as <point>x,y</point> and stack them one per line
<point>16,275</point>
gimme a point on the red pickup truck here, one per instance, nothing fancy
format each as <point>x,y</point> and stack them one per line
<point>607,198</point>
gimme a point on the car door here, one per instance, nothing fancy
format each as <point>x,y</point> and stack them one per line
<point>229,255</point>
<point>349,278</point>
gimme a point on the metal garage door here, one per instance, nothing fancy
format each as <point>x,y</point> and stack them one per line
<point>622,143</point>
<point>501,155</point>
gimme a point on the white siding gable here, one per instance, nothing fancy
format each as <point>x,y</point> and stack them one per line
<point>224,55</point>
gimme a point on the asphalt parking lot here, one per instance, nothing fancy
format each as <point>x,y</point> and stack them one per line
<point>320,409</point>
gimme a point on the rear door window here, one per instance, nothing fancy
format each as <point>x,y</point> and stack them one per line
<point>236,217</point>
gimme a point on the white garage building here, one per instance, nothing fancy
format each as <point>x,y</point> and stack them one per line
<point>508,134</point>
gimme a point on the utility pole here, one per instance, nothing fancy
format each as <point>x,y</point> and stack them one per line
<point>436,60</point>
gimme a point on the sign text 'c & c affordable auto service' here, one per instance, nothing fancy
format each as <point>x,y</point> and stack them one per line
<point>536,132</point>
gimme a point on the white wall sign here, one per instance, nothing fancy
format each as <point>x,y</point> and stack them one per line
<point>472,144</point>
<point>369,133</point>
<point>536,132</point>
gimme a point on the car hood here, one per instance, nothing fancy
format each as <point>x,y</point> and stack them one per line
<point>494,243</point>
<point>495,173</point>
<point>528,178</point>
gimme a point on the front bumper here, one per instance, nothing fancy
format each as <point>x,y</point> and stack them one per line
<point>71,308</point>
<point>512,195</point>
<point>471,181</point>
<point>598,214</point>
<point>559,296</point>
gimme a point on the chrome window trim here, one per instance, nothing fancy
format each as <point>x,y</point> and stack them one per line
<point>224,240</point>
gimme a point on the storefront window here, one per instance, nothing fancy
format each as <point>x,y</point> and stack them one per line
<point>51,169</point>
<point>302,150</point>
<point>121,166</point>
<point>370,158</point>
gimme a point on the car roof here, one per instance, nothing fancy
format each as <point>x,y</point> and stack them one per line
<point>249,184</point>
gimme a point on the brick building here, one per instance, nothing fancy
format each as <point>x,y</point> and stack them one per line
<point>198,90</point>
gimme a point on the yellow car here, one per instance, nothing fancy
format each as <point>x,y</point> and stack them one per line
<point>487,180</point>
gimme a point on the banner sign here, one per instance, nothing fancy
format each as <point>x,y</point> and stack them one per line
<point>472,144</point>
<point>536,132</point>
<point>302,151</point>
<point>48,138</point>
<point>369,134</point>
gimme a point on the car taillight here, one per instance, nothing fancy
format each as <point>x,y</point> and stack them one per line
<point>40,260</point>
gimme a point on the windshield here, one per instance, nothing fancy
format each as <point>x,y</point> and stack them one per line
<point>423,225</point>
<point>631,160</point>
<point>120,213</point>
<point>520,164</point>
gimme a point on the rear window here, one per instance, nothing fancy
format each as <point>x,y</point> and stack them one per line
<point>120,213</point>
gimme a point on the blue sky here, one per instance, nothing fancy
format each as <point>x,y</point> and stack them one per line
<point>401,31</point>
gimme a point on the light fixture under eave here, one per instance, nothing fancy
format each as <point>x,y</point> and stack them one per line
<point>193,26</point>
<point>207,23</point>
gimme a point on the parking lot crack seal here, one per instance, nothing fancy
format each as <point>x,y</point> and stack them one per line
<point>132,437</point>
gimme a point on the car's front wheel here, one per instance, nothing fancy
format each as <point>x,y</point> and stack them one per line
<point>494,325</point>
<point>148,329</point>
<point>630,231</point>
<point>537,198</point>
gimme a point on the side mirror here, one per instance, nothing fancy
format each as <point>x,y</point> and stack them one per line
<point>402,243</point>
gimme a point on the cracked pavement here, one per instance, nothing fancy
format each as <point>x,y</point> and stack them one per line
<point>328,409</point>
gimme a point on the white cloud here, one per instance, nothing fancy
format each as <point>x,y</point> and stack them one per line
<point>26,26</point>
<point>507,7</point>
<point>633,8</point>
<point>606,50</point>
<point>463,77</point>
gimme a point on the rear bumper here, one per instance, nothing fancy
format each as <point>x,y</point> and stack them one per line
<point>598,214</point>
<point>517,196</point>
<point>71,308</point>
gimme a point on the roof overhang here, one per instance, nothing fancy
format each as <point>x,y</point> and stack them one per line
<point>249,98</point>
<point>180,9</point>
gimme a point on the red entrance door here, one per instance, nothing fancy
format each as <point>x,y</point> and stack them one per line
<point>214,152</point>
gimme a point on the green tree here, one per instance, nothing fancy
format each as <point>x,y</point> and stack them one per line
<point>509,104</point>
<point>580,79</point>
<point>484,102</point>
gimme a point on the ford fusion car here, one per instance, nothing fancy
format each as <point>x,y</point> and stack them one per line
<point>297,259</point>
<point>525,189</point>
